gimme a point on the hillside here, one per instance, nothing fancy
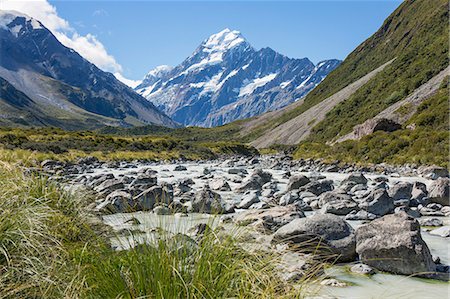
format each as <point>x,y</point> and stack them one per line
<point>414,38</point>
<point>63,88</point>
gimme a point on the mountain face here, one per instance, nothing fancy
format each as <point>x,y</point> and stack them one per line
<point>390,73</point>
<point>63,87</point>
<point>226,79</point>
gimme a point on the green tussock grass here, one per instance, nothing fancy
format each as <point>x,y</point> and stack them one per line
<point>51,246</point>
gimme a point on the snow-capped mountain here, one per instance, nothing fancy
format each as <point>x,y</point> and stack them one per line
<point>227,79</point>
<point>57,86</point>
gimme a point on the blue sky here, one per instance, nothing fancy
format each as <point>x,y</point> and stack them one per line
<point>144,34</point>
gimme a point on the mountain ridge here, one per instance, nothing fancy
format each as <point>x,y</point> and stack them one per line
<point>226,79</point>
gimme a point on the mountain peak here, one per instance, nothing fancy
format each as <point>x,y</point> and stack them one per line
<point>15,22</point>
<point>222,41</point>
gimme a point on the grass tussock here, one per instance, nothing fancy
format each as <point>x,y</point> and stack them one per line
<point>51,248</point>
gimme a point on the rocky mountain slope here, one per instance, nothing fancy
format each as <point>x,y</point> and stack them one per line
<point>61,87</point>
<point>414,38</point>
<point>226,79</point>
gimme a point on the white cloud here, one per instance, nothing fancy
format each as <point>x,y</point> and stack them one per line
<point>131,83</point>
<point>87,46</point>
<point>100,13</point>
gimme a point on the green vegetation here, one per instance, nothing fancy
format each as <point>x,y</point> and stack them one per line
<point>52,247</point>
<point>415,34</point>
<point>424,139</point>
<point>65,145</point>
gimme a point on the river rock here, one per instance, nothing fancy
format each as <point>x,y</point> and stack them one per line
<point>362,269</point>
<point>220,184</point>
<point>431,222</point>
<point>440,191</point>
<point>377,202</point>
<point>249,198</point>
<point>442,231</point>
<point>109,186</point>
<point>318,187</point>
<point>208,201</point>
<point>330,233</point>
<point>297,181</point>
<point>156,194</point>
<point>357,178</point>
<point>401,190</point>
<point>394,244</point>
<point>360,215</point>
<point>433,172</point>
<point>118,201</point>
<point>255,181</point>
<point>180,168</point>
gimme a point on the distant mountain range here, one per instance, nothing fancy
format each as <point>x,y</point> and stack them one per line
<point>226,79</point>
<point>44,83</point>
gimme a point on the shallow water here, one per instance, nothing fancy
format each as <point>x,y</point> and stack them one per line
<point>376,286</point>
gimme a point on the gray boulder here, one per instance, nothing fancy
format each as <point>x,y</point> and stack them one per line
<point>434,172</point>
<point>357,178</point>
<point>318,187</point>
<point>118,201</point>
<point>394,244</point>
<point>154,195</point>
<point>208,201</point>
<point>400,190</point>
<point>297,181</point>
<point>255,181</point>
<point>440,191</point>
<point>431,222</point>
<point>249,198</point>
<point>362,269</point>
<point>377,202</point>
<point>360,215</point>
<point>180,168</point>
<point>219,184</point>
<point>328,233</point>
<point>109,186</point>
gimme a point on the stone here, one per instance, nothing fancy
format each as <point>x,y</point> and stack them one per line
<point>208,201</point>
<point>434,172</point>
<point>440,191</point>
<point>360,215</point>
<point>431,222</point>
<point>357,178</point>
<point>220,185</point>
<point>249,198</point>
<point>321,232</point>
<point>318,187</point>
<point>362,269</point>
<point>255,181</point>
<point>400,190</point>
<point>144,181</point>
<point>297,181</point>
<point>154,195</point>
<point>331,282</point>
<point>161,210</point>
<point>270,219</point>
<point>377,202</point>
<point>118,201</point>
<point>394,244</point>
<point>411,212</point>
<point>442,231</point>
<point>180,168</point>
<point>109,186</point>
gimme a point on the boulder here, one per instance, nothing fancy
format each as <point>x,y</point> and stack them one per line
<point>440,191</point>
<point>249,198</point>
<point>156,194</point>
<point>118,201</point>
<point>400,190</point>
<point>297,181</point>
<point>360,215</point>
<point>219,184</point>
<point>394,244</point>
<point>109,186</point>
<point>318,187</point>
<point>362,269</point>
<point>144,181</point>
<point>433,172</point>
<point>208,201</point>
<point>357,178</point>
<point>442,231</point>
<point>327,233</point>
<point>255,181</point>
<point>180,168</point>
<point>269,220</point>
<point>377,202</point>
<point>431,222</point>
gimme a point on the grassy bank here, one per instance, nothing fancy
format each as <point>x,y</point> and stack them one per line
<point>52,248</point>
<point>51,143</point>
